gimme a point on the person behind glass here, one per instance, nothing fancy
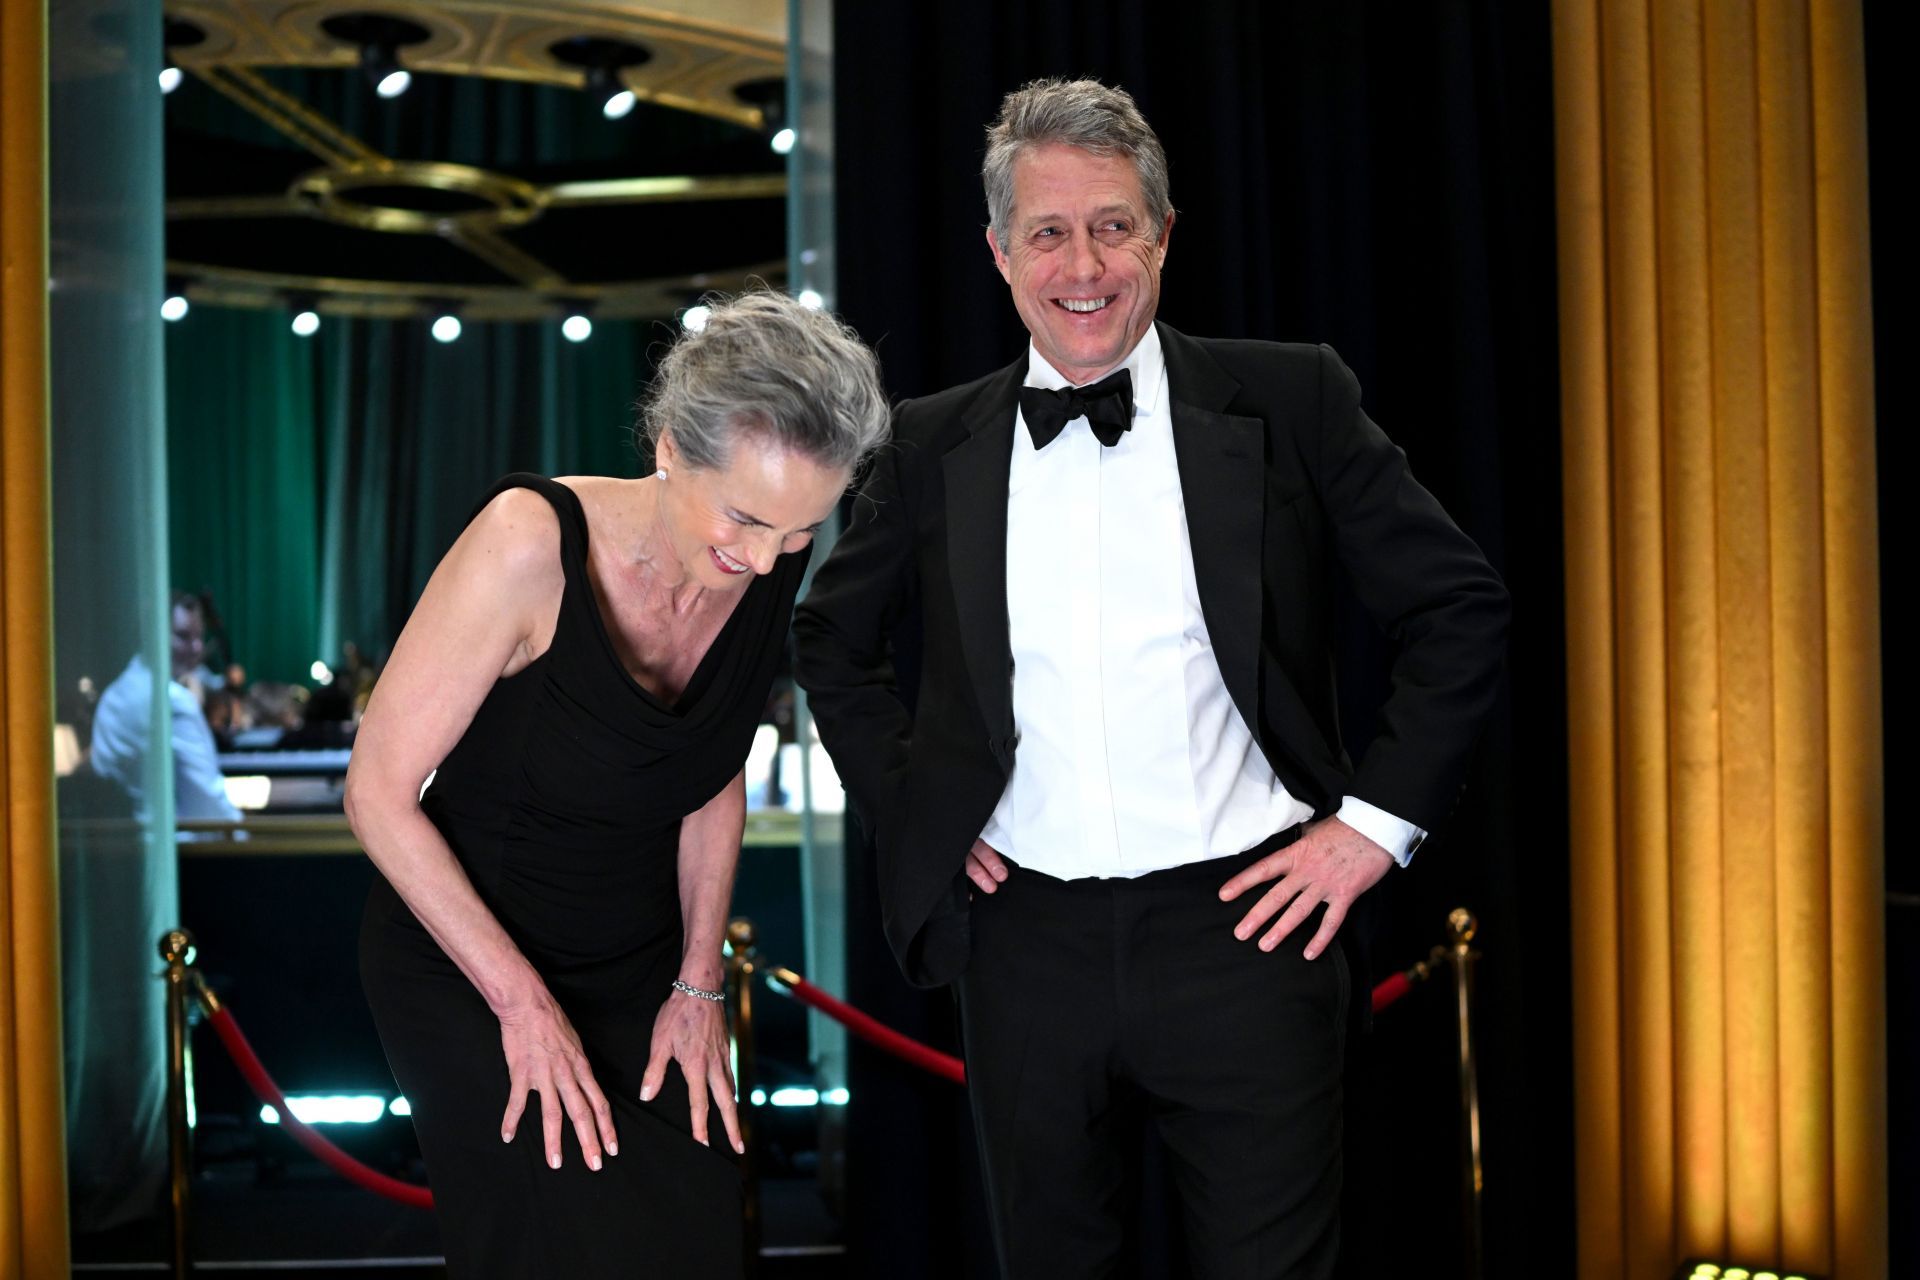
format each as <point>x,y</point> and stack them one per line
<point>1123,546</point>
<point>577,689</point>
<point>121,725</point>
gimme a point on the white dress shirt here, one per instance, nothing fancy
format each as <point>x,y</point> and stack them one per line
<point>1131,756</point>
<point>123,731</point>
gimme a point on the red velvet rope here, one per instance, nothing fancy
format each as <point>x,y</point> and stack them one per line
<point>333,1157</point>
<point>905,1048</point>
<point>946,1065</point>
<point>1390,990</point>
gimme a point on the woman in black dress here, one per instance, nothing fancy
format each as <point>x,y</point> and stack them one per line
<point>581,679</point>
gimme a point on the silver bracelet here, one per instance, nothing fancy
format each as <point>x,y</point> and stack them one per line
<point>688,989</point>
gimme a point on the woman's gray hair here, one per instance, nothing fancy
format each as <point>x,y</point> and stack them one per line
<point>766,367</point>
<point>1077,113</point>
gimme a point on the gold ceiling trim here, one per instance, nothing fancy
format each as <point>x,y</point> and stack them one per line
<point>702,52</point>
<point>661,298</point>
<point>330,194</point>
<point>607,191</point>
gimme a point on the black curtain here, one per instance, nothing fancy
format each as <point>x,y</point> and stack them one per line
<point>1890,29</point>
<point>1377,176</point>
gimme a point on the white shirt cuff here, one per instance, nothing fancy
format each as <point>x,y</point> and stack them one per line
<point>1398,837</point>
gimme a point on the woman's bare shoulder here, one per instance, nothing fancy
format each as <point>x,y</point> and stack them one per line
<point>516,536</point>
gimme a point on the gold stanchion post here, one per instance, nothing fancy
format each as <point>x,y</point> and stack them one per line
<point>741,961</point>
<point>176,948</point>
<point>1461,927</point>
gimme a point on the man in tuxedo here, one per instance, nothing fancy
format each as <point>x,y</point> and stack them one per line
<point>1120,815</point>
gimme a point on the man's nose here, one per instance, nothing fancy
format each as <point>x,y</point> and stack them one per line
<point>1083,258</point>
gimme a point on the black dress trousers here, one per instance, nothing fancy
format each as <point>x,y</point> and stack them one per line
<point>1093,1007</point>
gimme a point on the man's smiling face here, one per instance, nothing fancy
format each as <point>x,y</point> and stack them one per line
<point>1083,257</point>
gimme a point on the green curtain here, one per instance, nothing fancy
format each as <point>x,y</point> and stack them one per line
<point>315,482</point>
<point>241,433</point>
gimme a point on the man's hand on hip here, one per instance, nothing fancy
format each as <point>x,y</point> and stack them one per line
<point>985,867</point>
<point>1330,863</point>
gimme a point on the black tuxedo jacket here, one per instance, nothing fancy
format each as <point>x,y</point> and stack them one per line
<point>1284,479</point>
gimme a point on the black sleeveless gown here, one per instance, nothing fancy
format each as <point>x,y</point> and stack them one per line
<point>563,801</point>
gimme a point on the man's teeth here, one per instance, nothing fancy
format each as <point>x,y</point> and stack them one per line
<point>1083,304</point>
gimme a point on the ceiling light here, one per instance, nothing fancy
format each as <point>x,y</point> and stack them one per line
<point>783,142</point>
<point>603,62</point>
<point>381,63</point>
<point>603,84</point>
<point>577,328</point>
<point>306,322</point>
<point>380,37</point>
<point>694,319</point>
<point>394,83</point>
<point>176,34</point>
<point>175,307</point>
<point>446,328</point>
<point>811,299</point>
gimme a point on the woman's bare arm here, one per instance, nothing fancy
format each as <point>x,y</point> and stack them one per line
<point>487,612</point>
<point>691,1031</point>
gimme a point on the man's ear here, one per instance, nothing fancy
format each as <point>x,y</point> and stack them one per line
<point>1166,234</point>
<point>999,256</point>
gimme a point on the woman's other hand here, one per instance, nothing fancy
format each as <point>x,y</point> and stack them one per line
<point>544,1056</point>
<point>693,1033</point>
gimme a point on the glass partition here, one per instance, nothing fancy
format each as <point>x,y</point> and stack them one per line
<point>812,269</point>
<point>112,656</point>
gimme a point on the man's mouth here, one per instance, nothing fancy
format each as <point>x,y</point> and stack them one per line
<point>1081,306</point>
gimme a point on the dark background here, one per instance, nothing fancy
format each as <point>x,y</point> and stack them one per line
<point>1378,176</point>
<point>1891,206</point>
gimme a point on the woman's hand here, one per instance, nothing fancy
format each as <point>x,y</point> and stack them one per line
<point>693,1033</point>
<point>544,1056</point>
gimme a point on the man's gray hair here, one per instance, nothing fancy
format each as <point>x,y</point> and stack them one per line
<point>768,368</point>
<point>1077,113</point>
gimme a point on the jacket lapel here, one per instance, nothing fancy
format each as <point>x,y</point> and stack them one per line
<point>976,483</point>
<point>1223,481</point>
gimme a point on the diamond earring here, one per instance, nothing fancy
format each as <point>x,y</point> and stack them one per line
<point>661,474</point>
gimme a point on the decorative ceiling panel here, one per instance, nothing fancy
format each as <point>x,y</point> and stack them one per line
<point>700,53</point>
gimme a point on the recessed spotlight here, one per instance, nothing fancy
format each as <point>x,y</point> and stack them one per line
<point>175,307</point>
<point>176,34</point>
<point>379,37</point>
<point>695,318</point>
<point>783,142</point>
<point>446,328</point>
<point>306,322</point>
<point>604,63</point>
<point>577,328</point>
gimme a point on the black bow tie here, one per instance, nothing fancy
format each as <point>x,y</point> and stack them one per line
<point>1107,406</point>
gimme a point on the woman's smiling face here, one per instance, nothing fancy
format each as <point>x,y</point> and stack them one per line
<point>726,523</point>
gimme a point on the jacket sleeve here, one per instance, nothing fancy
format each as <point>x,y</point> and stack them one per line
<point>843,649</point>
<point>1429,587</point>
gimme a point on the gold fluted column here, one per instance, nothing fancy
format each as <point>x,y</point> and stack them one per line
<point>33,1184</point>
<point>1723,655</point>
